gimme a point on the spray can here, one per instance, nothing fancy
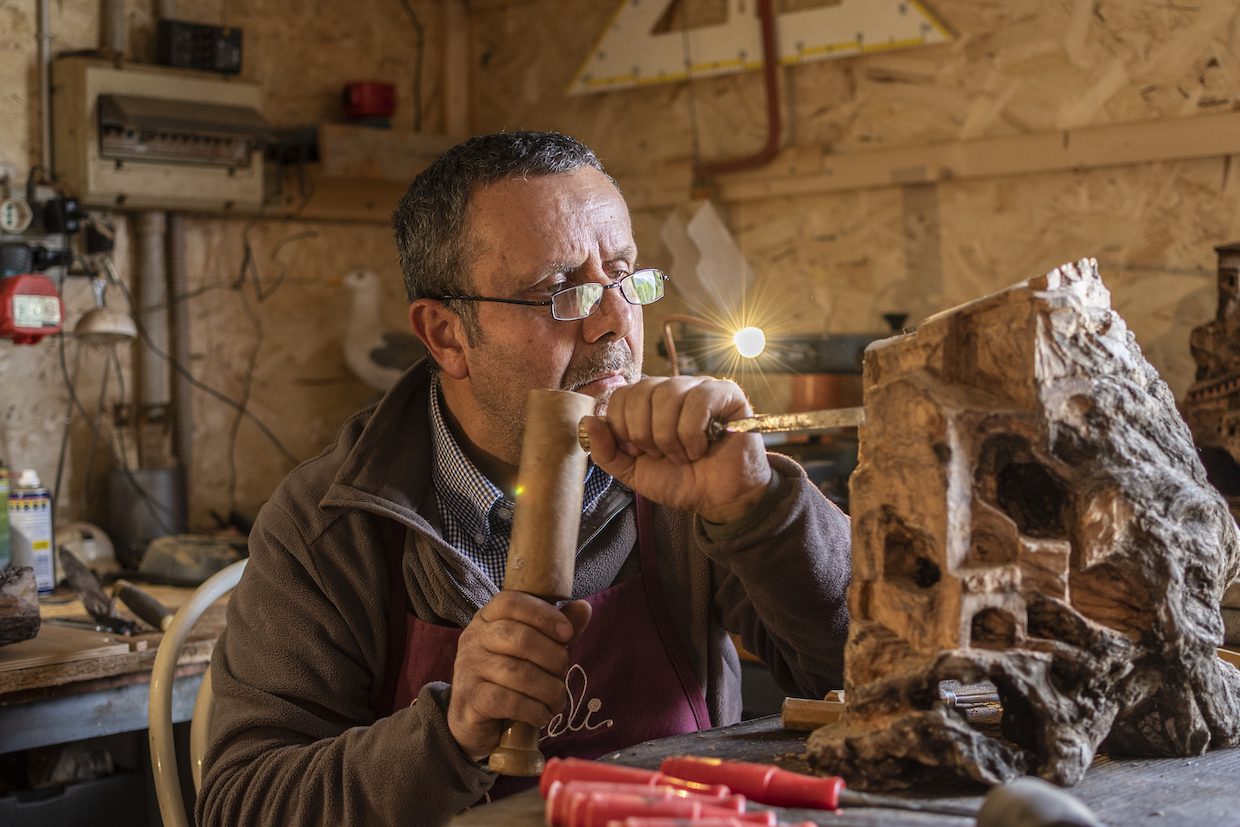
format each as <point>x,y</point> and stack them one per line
<point>6,549</point>
<point>30,521</point>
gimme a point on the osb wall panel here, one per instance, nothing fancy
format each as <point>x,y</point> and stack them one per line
<point>828,262</point>
<point>1151,227</point>
<point>301,54</point>
<point>836,262</point>
<point>300,386</point>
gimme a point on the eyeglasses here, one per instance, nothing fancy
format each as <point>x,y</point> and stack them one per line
<point>580,300</point>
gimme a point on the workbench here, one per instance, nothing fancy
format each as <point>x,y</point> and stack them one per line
<point>1203,791</point>
<point>69,684</point>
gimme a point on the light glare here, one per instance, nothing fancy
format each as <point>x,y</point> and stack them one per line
<point>749,342</point>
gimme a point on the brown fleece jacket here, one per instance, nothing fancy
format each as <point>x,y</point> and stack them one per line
<point>297,673</point>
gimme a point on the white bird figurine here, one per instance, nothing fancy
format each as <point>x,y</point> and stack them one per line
<point>378,357</point>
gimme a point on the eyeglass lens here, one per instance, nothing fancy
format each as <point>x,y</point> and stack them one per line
<point>641,287</point>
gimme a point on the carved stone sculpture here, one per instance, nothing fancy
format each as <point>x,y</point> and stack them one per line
<point>19,605</point>
<point>1212,406</point>
<point>1029,509</point>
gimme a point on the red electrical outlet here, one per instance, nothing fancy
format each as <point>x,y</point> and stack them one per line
<point>30,308</point>
<point>368,99</point>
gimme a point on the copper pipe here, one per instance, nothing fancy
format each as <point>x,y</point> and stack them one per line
<point>670,343</point>
<point>704,171</point>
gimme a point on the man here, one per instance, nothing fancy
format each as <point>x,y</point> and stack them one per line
<point>371,655</point>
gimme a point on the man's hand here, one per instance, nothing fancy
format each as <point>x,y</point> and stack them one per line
<point>653,439</point>
<point>510,665</point>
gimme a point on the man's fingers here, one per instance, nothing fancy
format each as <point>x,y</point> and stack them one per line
<point>496,702</point>
<point>695,415</point>
<point>508,667</point>
<point>606,452</point>
<point>530,610</point>
<point>667,411</point>
<point>520,677</point>
<point>509,639</point>
<point>603,445</point>
<point>578,613</point>
<point>710,399</point>
<point>629,415</point>
<point>667,416</point>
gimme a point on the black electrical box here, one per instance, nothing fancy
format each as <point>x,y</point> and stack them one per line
<point>199,46</point>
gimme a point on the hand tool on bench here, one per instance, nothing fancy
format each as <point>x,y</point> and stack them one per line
<point>541,554</point>
<point>562,791</point>
<point>145,606</point>
<point>101,607</point>
<point>771,785</point>
<point>803,422</point>
<point>1024,802</point>
<point>1032,802</point>
<point>707,821</point>
<point>565,801</point>
<point>566,770</point>
<point>804,714</point>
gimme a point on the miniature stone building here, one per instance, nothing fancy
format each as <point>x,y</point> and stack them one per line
<point>1029,509</point>
<point>1212,406</point>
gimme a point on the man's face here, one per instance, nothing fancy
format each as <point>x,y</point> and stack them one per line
<point>525,239</point>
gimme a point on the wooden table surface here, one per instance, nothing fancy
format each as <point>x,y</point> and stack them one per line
<point>63,658</point>
<point>1202,791</point>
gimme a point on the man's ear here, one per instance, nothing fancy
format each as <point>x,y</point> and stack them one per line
<point>443,334</point>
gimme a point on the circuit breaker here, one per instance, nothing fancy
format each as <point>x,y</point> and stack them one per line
<point>150,137</point>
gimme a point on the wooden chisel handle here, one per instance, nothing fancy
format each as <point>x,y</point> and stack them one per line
<point>542,552</point>
<point>806,714</point>
<point>142,604</point>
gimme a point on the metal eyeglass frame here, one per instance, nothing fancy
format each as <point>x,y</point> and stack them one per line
<point>552,302</point>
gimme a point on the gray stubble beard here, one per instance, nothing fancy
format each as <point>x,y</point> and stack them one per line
<point>615,357</point>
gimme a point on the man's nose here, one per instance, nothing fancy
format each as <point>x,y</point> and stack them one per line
<point>614,317</point>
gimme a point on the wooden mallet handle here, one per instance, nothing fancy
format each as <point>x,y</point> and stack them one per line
<point>543,549</point>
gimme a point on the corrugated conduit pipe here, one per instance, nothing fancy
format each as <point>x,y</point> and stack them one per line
<point>178,329</point>
<point>115,34</point>
<point>152,390</point>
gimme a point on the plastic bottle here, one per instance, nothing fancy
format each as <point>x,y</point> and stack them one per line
<point>6,549</point>
<point>30,523</point>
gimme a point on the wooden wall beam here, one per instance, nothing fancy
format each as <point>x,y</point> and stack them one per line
<point>814,170</point>
<point>456,68</point>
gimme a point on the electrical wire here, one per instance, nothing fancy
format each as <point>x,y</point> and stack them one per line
<point>152,507</point>
<point>246,385</point>
<point>75,403</point>
<point>419,40</point>
<point>64,434</point>
<point>249,269</point>
<point>121,447</point>
<point>248,273</point>
<point>94,442</point>
<point>202,386</point>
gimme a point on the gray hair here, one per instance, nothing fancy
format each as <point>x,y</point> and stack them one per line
<point>430,220</point>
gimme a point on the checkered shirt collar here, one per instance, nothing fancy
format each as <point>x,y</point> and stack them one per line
<point>467,498</point>
<point>465,490</point>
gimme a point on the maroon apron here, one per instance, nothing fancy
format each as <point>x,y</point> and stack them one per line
<point>629,681</point>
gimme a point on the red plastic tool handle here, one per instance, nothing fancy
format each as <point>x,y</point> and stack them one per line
<point>760,782</point>
<point>579,769</point>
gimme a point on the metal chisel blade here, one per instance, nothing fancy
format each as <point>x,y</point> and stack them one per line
<point>802,422</point>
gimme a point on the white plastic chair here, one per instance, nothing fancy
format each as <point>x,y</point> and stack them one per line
<point>163,748</point>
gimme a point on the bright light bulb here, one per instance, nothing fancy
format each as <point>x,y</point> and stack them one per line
<point>749,342</point>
